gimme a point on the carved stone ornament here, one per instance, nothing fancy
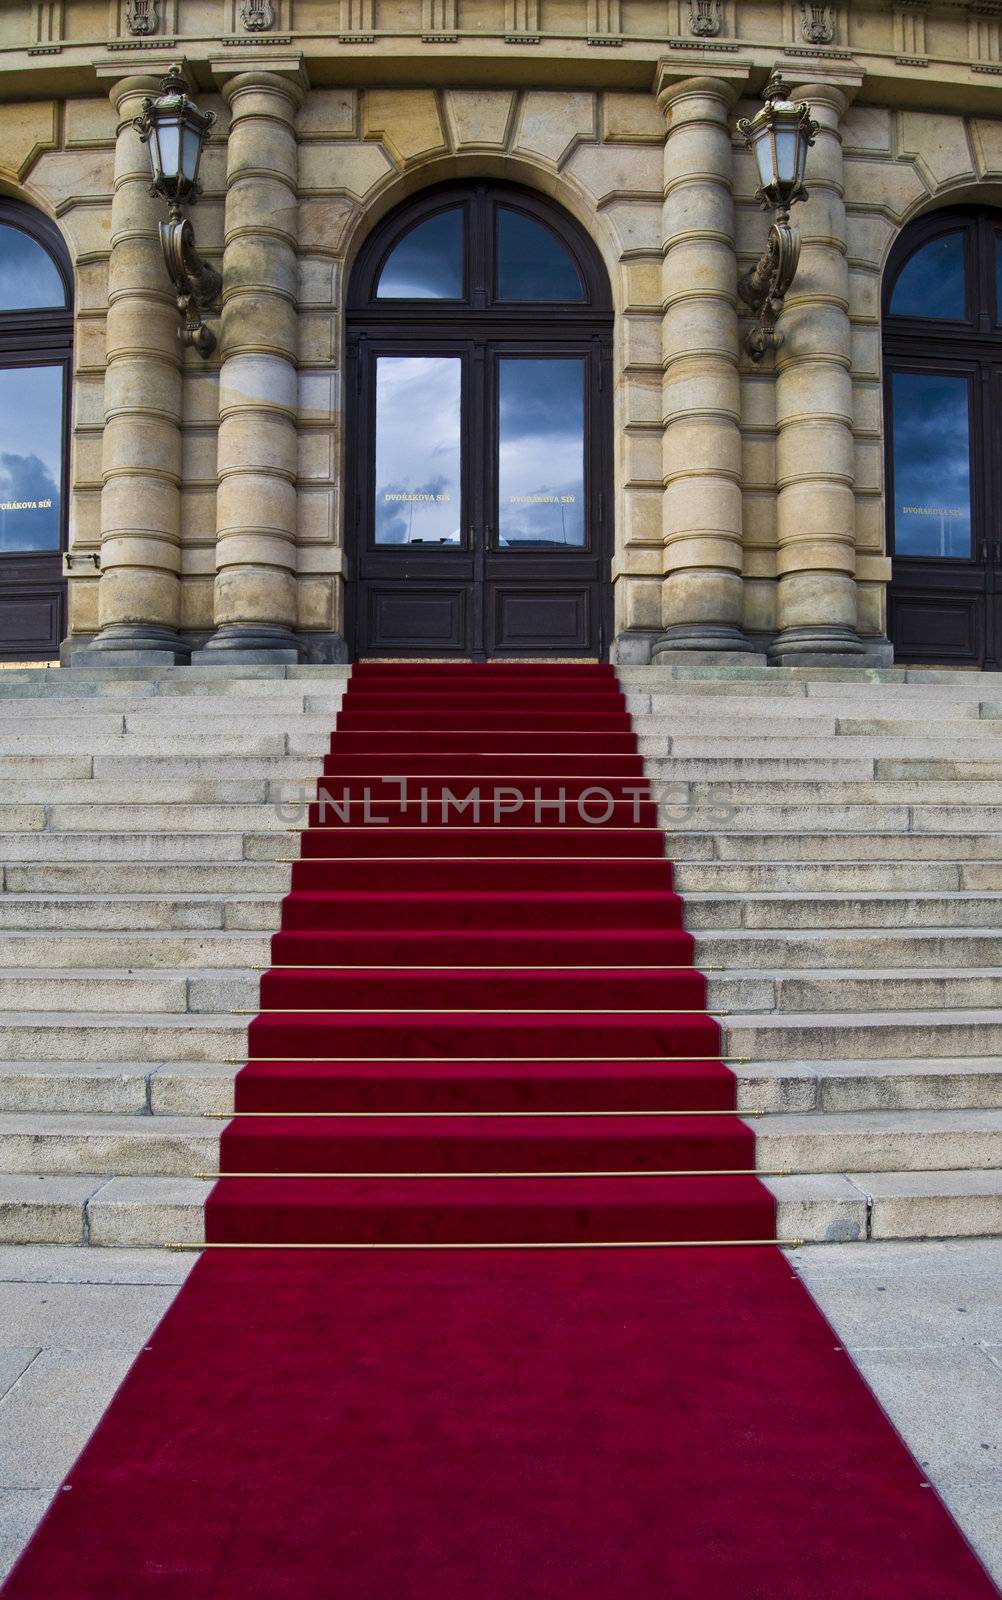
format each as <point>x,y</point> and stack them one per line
<point>141,17</point>
<point>257,15</point>
<point>817,22</point>
<point>706,17</point>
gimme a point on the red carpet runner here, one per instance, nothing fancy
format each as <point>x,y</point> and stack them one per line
<point>484,1029</point>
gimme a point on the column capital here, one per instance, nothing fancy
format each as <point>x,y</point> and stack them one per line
<point>671,86</point>
<point>281,75</point>
<point>828,92</point>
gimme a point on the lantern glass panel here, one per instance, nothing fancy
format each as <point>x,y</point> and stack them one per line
<point>764,157</point>
<point>168,136</point>
<point>191,150</point>
<point>786,154</point>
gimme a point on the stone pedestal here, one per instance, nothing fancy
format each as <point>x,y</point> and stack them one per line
<point>702,599</point>
<point>816,564</point>
<point>140,588</point>
<point>255,590</point>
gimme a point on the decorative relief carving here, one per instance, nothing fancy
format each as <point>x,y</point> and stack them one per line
<point>706,17</point>
<point>141,17</point>
<point>257,15</point>
<point>817,22</point>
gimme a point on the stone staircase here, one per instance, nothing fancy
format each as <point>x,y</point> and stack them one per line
<point>839,844</point>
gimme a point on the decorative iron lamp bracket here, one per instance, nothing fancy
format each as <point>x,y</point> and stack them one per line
<point>198,284</point>
<point>763,287</point>
<point>174,131</point>
<point>779,136</point>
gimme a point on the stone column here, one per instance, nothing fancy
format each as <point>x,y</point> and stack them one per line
<point>701,607</point>
<point>255,589</point>
<point>816,536</point>
<point>140,587</point>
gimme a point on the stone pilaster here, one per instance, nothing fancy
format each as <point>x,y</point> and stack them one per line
<point>140,586</point>
<point>816,535</point>
<point>255,588</point>
<point>701,607</point>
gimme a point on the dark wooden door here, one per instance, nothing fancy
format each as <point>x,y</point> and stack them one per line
<point>479,434</point>
<point>943,411</point>
<point>36,339</point>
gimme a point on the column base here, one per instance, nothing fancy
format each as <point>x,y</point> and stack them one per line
<point>819,646</point>
<point>239,644</point>
<point>125,645</point>
<point>704,643</point>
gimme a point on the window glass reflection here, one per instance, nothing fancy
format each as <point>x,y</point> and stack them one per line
<point>31,457</point>
<point>28,275</point>
<point>932,465</point>
<point>998,279</point>
<point>541,449</point>
<point>532,263</point>
<point>418,435</point>
<point>933,282</point>
<point>427,264</point>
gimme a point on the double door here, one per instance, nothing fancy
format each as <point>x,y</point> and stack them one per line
<point>479,495</point>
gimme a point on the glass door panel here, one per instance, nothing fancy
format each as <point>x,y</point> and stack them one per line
<point>931,454</point>
<point>418,477</point>
<point>31,458</point>
<point>541,453</point>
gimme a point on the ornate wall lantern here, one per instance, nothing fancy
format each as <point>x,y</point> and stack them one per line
<point>780,136</point>
<point>174,131</point>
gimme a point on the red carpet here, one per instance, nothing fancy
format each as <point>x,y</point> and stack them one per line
<point>483,1028</point>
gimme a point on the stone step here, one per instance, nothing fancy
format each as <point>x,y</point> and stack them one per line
<point>51,847</point>
<point>236,990</point>
<point>801,791</point>
<point>836,1208</point>
<point>880,1035</point>
<point>170,711</point>
<point>153,989</point>
<point>659,739</point>
<point>169,818</point>
<point>826,877</point>
<point>783,952</point>
<point>155,1211</point>
<point>109,1037</point>
<point>675,815</point>
<point>873,1141</point>
<point>229,679</point>
<point>166,769</point>
<point>726,844</point>
<point>116,1146</point>
<point>887,707</point>
<point>844,911</point>
<point>176,791</point>
<point>57,739</point>
<point>904,1084</point>
<point>195,1088</point>
<point>125,880</point>
<point>156,948</point>
<point>816,1142</point>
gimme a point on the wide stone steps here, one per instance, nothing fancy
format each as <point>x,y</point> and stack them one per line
<point>838,840</point>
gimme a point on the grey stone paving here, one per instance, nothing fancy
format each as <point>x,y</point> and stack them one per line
<point>923,1321</point>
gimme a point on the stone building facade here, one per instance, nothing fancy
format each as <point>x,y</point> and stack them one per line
<point>208,502</point>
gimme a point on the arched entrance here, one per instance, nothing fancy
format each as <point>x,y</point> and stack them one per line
<point>36,346</point>
<point>943,411</point>
<point>479,447</point>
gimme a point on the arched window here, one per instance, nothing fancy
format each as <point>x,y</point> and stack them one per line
<point>479,323</point>
<point>36,340</point>
<point>943,405</point>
